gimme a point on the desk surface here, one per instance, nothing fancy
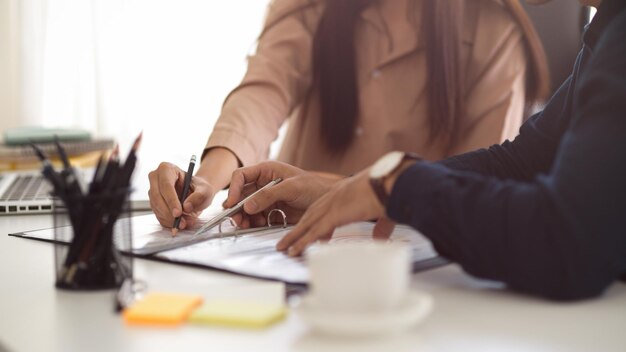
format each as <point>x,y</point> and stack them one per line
<point>469,314</point>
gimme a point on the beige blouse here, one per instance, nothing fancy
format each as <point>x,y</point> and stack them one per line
<point>390,72</point>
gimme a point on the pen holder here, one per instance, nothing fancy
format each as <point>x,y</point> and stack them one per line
<point>91,231</point>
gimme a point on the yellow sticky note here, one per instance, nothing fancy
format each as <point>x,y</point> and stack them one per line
<point>167,309</point>
<point>240,314</point>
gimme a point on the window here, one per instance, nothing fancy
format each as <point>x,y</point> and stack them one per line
<point>117,67</point>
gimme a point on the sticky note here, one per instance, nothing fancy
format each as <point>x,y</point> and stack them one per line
<point>168,309</point>
<point>241,314</point>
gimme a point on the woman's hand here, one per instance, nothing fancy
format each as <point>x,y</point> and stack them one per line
<point>297,191</point>
<point>166,184</point>
<point>350,200</point>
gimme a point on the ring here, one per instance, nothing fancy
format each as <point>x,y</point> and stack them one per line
<point>269,216</point>
<point>232,222</point>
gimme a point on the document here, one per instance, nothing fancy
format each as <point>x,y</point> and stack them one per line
<point>252,254</point>
<point>256,254</point>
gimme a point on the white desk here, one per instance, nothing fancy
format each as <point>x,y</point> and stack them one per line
<point>469,315</point>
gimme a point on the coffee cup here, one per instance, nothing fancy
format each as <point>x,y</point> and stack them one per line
<point>359,277</point>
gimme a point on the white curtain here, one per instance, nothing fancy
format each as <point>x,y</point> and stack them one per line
<point>117,67</point>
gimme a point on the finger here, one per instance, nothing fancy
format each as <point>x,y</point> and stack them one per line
<point>302,227</point>
<point>167,183</point>
<point>326,238</point>
<point>199,199</point>
<point>287,240</point>
<point>247,190</point>
<point>314,234</point>
<point>285,191</point>
<point>164,214</point>
<point>188,221</point>
<point>383,228</point>
<point>321,221</point>
<point>239,179</point>
<point>183,223</point>
<point>245,223</point>
<point>159,208</point>
<point>260,174</point>
<point>237,182</point>
<point>157,204</point>
<point>257,220</point>
<point>242,220</point>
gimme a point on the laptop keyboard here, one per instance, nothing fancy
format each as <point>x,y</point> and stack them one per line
<point>27,187</point>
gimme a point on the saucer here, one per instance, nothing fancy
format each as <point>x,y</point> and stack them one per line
<point>413,308</point>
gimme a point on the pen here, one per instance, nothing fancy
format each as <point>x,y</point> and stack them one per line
<point>228,212</point>
<point>68,174</point>
<point>49,173</point>
<point>183,195</point>
<point>129,164</point>
<point>62,154</point>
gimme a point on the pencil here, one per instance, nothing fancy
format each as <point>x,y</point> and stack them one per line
<point>183,195</point>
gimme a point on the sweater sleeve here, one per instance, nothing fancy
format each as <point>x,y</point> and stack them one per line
<point>533,149</point>
<point>554,230</point>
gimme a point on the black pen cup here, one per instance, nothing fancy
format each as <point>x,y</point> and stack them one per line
<point>91,234</point>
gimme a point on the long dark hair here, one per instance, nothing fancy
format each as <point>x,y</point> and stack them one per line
<point>334,67</point>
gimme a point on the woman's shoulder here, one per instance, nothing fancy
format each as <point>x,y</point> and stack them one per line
<point>495,16</point>
<point>283,6</point>
<point>307,11</point>
<point>491,24</point>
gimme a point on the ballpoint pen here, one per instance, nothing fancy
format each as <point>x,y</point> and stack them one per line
<point>67,173</point>
<point>183,195</point>
<point>48,172</point>
<point>231,211</point>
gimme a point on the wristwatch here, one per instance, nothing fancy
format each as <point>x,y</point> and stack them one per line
<point>384,167</point>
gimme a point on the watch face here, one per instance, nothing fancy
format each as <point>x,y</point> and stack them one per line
<point>386,164</point>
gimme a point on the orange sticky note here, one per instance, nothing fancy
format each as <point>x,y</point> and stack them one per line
<point>166,309</point>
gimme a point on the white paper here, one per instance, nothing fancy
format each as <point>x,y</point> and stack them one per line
<point>256,254</point>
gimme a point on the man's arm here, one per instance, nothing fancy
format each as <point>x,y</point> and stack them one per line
<point>560,235</point>
<point>531,152</point>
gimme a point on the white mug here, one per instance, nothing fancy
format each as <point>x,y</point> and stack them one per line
<point>352,277</point>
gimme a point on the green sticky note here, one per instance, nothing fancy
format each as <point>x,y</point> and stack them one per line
<point>240,314</point>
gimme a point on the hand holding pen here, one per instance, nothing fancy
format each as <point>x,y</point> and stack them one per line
<point>166,188</point>
<point>185,192</point>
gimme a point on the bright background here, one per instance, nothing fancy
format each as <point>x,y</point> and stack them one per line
<point>116,67</point>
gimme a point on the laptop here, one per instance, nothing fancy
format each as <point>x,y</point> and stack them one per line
<point>28,192</point>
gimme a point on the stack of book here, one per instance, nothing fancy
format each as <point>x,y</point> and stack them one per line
<point>83,150</point>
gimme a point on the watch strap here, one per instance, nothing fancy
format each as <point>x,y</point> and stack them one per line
<point>378,184</point>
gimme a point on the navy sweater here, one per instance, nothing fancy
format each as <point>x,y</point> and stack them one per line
<point>546,212</point>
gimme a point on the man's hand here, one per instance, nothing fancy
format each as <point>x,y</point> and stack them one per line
<point>350,200</point>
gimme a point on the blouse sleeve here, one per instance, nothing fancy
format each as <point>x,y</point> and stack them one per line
<point>277,78</point>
